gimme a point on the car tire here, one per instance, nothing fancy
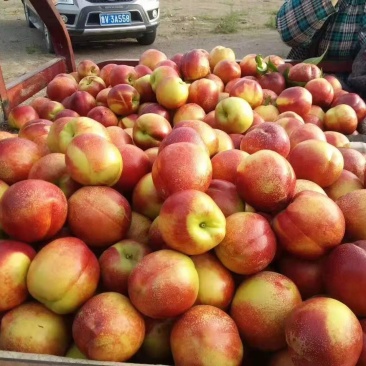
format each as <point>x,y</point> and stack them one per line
<point>48,40</point>
<point>26,13</point>
<point>147,39</point>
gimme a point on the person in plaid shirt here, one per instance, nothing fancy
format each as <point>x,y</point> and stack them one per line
<point>339,26</point>
<point>342,25</point>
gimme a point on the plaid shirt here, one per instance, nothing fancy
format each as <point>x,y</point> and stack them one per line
<point>298,21</point>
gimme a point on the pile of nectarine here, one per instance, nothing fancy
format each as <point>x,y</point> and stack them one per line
<point>192,210</point>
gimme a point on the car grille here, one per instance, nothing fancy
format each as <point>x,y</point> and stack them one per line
<point>93,18</point>
<point>108,1</point>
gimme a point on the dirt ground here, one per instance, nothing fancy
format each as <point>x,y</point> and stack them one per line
<point>185,24</point>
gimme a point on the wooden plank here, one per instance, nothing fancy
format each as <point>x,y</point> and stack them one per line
<point>29,84</point>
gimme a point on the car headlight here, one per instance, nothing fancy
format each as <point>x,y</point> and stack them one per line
<point>64,2</point>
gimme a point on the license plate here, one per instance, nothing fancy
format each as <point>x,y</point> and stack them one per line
<point>115,18</point>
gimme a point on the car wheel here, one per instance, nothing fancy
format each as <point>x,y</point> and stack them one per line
<point>147,39</point>
<point>48,40</point>
<point>26,13</point>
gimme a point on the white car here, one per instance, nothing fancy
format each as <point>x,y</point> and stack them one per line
<point>98,20</point>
